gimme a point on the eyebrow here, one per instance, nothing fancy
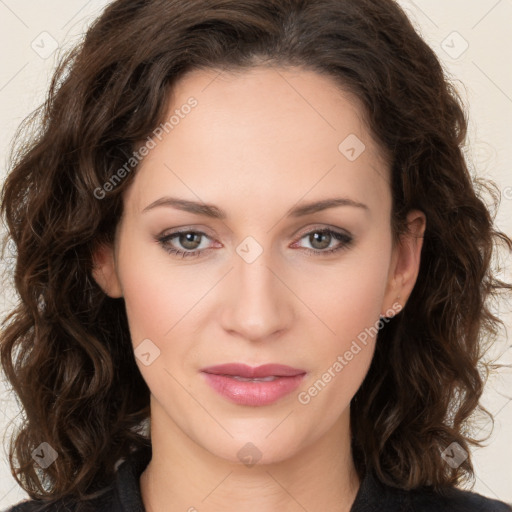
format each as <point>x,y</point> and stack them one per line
<point>210,210</point>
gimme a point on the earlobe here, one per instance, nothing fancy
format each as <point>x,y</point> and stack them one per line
<point>406,261</point>
<point>104,271</point>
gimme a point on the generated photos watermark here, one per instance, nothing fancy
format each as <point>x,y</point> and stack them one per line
<point>304,397</point>
<point>137,156</point>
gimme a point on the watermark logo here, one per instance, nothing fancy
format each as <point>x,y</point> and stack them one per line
<point>249,249</point>
<point>44,455</point>
<point>249,454</point>
<point>454,45</point>
<point>146,352</point>
<point>44,45</point>
<point>352,147</point>
<point>454,455</point>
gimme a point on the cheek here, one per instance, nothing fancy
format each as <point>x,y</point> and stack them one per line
<point>157,294</point>
<point>342,355</point>
<point>158,298</point>
<point>149,306</point>
<point>348,297</point>
<point>348,303</point>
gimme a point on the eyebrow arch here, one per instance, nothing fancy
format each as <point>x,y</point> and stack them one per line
<point>213,211</point>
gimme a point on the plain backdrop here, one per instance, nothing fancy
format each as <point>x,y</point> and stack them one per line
<point>473,40</point>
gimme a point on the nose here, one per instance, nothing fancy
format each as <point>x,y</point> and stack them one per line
<point>258,305</point>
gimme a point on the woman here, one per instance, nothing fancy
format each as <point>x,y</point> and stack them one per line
<point>252,264</point>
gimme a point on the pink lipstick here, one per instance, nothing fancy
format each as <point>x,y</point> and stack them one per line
<point>254,386</point>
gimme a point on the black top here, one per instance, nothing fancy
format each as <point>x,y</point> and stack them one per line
<point>123,495</point>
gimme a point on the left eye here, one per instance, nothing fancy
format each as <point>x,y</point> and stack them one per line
<point>191,241</point>
<point>324,237</point>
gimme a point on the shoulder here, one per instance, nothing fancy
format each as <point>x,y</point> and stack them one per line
<point>454,500</point>
<point>118,495</point>
<point>451,499</point>
<point>102,503</point>
<point>374,495</point>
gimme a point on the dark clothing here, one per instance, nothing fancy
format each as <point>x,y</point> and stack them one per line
<point>123,495</point>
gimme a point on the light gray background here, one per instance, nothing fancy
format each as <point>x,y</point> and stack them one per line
<point>29,28</point>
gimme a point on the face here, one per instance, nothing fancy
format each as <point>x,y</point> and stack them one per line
<point>257,277</point>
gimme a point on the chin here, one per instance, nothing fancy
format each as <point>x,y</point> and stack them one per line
<point>261,449</point>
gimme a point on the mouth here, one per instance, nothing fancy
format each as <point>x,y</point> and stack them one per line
<point>244,371</point>
<point>253,386</point>
<point>270,378</point>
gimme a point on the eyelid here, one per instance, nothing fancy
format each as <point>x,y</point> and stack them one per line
<point>178,231</point>
<point>320,227</point>
<point>297,235</point>
<point>171,232</point>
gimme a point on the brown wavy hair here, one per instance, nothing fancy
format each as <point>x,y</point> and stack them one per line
<point>66,347</point>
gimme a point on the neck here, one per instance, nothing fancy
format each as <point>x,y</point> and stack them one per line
<point>184,476</point>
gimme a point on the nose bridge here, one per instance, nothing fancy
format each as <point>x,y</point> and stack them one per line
<point>259,303</point>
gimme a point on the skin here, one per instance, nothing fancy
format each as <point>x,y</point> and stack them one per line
<point>272,134</point>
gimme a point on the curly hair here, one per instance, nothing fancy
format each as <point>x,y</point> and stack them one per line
<point>66,347</point>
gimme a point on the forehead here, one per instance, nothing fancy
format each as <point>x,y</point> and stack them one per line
<point>276,134</point>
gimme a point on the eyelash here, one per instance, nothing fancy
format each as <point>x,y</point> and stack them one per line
<point>346,242</point>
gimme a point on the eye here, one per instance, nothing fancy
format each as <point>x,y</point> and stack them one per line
<point>190,242</point>
<point>321,241</point>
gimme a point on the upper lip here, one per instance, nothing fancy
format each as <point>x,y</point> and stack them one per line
<point>243,370</point>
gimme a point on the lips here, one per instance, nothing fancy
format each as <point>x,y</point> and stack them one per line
<point>246,385</point>
<point>249,372</point>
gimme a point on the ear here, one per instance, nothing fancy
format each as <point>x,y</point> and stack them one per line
<point>405,264</point>
<point>104,270</point>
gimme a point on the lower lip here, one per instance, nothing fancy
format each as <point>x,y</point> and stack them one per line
<point>253,393</point>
